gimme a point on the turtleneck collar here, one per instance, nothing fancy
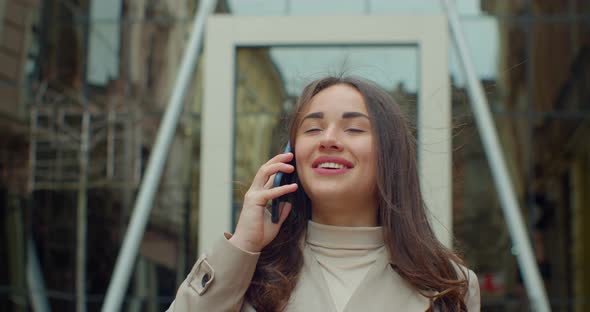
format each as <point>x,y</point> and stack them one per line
<point>344,237</point>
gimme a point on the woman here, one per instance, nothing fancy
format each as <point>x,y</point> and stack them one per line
<point>356,236</point>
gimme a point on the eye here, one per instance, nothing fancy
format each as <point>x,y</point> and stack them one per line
<point>312,130</point>
<point>355,130</point>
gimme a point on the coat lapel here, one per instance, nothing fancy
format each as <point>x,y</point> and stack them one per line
<point>383,289</point>
<point>311,292</point>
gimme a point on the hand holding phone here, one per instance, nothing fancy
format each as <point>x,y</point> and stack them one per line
<point>282,178</point>
<point>254,229</point>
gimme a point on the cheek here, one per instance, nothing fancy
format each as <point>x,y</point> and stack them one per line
<point>369,157</point>
<point>366,150</point>
<point>301,172</point>
<point>302,149</point>
<point>299,160</point>
<point>302,159</point>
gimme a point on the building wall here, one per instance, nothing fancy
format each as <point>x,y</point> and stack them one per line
<point>580,231</point>
<point>15,40</point>
<point>541,126</point>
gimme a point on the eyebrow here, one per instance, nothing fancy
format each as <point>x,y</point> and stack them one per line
<point>345,115</point>
<point>316,115</point>
<point>353,115</point>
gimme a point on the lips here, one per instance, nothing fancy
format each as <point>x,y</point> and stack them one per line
<point>331,163</point>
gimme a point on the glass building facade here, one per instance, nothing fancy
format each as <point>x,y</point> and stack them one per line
<point>85,83</point>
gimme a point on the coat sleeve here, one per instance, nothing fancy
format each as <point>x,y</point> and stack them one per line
<point>472,298</point>
<point>218,280</point>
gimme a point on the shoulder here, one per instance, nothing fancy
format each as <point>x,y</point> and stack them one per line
<point>472,297</point>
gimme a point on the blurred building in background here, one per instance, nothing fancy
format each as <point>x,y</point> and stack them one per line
<point>84,83</point>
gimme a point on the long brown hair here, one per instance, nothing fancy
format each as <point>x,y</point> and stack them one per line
<point>414,251</point>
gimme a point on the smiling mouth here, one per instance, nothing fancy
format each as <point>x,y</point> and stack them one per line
<point>330,168</point>
<point>331,165</point>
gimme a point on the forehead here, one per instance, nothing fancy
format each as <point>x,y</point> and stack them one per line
<point>337,98</point>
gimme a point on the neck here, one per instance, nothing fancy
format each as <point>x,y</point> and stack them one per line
<point>344,213</point>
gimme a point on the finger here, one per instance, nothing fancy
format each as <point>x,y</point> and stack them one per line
<point>268,183</point>
<point>264,173</point>
<point>283,157</point>
<point>285,210</point>
<point>267,214</point>
<point>276,192</point>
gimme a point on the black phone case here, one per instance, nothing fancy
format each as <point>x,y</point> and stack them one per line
<point>281,178</point>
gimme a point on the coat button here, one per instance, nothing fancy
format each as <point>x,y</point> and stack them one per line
<point>205,279</point>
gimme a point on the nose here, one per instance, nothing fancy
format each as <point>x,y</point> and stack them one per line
<point>330,140</point>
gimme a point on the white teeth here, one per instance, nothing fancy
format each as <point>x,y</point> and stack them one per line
<point>331,165</point>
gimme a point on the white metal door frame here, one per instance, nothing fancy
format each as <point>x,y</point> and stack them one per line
<point>225,33</point>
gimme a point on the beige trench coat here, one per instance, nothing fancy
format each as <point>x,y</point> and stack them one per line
<point>220,278</point>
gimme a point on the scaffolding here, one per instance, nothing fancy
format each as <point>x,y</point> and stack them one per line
<point>69,141</point>
<point>74,149</point>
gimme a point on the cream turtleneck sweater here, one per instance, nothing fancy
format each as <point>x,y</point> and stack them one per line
<point>345,255</point>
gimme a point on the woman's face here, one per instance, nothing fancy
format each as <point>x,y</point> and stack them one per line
<point>335,147</point>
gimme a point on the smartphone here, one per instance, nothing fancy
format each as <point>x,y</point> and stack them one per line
<point>282,178</point>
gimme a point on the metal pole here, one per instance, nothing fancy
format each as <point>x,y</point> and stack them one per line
<point>82,198</point>
<point>35,280</point>
<point>16,251</point>
<point>526,261</point>
<point>141,211</point>
<point>82,215</point>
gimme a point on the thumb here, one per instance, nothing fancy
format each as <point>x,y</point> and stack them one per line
<point>285,209</point>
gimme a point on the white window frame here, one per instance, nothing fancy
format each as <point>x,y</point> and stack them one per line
<point>224,34</point>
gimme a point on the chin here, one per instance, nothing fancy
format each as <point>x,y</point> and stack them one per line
<point>331,192</point>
